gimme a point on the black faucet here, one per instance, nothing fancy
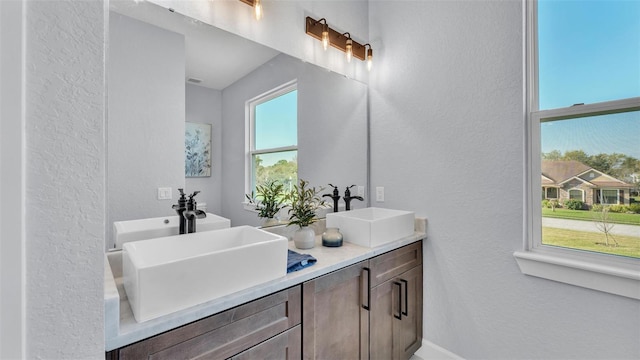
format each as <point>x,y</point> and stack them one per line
<point>180,208</point>
<point>347,198</point>
<point>193,213</point>
<point>335,197</point>
<point>187,212</point>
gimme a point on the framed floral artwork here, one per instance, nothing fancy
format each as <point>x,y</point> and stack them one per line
<point>197,150</point>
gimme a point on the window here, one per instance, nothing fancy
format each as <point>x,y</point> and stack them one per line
<point>583,111</point>
<point>609,196</point>
<point>273,138</point>
<point>552,193</point>
<point>576,194</point>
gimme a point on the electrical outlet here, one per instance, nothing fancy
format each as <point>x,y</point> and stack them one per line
<point>380,193</point>
<point>164,193</point>
<point>361,191</point>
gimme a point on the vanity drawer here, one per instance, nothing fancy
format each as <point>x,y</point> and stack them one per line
<point>225,334</point>
<point>394,263</point>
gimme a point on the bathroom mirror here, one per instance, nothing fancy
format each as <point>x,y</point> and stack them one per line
<point>164,69</point>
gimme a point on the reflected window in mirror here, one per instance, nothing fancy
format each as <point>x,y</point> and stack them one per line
<point>273,138</point>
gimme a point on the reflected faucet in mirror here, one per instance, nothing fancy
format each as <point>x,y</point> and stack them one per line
<point>348,198</point>
<point>335,196</point>
<point>187,212</point>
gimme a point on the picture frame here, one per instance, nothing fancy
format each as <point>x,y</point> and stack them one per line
<point>197,149</point>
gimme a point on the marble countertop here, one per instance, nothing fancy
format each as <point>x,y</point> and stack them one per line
<point>121,328</point>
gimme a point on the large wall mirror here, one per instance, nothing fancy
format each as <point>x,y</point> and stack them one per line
<point>165,69</point>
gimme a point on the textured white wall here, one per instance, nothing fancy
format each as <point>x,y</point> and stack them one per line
<point>446,142</point>
<point>146,70</point>
<point>332,127</point>
<point>204,105</point>
<point>65,183</point>
<point>12,296</point>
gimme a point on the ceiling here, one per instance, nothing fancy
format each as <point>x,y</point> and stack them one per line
<point>217,57</point>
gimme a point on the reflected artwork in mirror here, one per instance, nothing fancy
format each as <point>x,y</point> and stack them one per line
<point>165,69</point>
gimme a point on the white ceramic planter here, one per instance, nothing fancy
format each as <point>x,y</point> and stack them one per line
<point>304,238</point>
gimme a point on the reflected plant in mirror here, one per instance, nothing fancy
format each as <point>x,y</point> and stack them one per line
<point>268,200</point>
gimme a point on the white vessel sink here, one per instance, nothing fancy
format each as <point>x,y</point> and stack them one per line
<point>372,226</point>
<point>143,229</point>
<point>172,273</point>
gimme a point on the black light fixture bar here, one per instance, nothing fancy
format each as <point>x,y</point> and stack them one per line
<point>336,39</point>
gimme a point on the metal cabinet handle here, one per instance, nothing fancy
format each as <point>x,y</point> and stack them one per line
<point>406,297</point>
<point>399,316</point>
<point>368,306</point>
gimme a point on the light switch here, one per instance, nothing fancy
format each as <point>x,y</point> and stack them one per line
<point>380,193</point>
<point>361,191</point>
<point>164,193</point>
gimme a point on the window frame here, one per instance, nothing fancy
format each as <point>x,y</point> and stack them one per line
<point>581,194</point>
<point>617,197</point>
<point>546,193</point>
<point>608,273</point>
<point>250,135</point>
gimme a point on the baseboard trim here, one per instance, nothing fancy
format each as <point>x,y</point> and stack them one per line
<point>431,351</point>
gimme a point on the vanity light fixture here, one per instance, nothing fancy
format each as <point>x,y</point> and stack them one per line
<point>325,34</point>
<point>369,56</point>
<point>348,46</point>
<point>257,7</point>
<point>320,30</point>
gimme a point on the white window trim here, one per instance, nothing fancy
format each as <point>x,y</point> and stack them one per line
<point>602,272</point>
<point>249,142</point>
<point>610,189</point>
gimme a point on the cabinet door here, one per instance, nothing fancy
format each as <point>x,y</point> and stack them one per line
<point>335,325</point>
<point>396,316</point>
<point>286,346</point>
<point>225,334</point>
<point>408,333</point>
<point>384,304</point>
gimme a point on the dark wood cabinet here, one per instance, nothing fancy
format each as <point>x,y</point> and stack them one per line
<point>335,325</point>
<point>396,316</point>
<point>372,309</point>
<point>226,334</point>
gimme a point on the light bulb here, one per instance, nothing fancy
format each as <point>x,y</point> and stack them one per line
<point>257,7</point>
<point>325,37</point>
<point>349,49</point>
<point>369,59</point>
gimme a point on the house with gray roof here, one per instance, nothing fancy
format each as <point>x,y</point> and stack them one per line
<point>564,180</point>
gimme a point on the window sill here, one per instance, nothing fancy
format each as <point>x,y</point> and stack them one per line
<point>618,280</point>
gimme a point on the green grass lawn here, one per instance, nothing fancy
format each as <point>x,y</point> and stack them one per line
<point>591,241</point>
<point>629,219</point>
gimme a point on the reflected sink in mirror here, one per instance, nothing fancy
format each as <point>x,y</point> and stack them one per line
<point>144,229</point>
<point>372,226</point>
<point>168,274</point>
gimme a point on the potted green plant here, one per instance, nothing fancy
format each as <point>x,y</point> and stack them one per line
<point>268,201</point>
<point>304,201</point>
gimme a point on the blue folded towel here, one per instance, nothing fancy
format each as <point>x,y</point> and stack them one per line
<point>296,261</point>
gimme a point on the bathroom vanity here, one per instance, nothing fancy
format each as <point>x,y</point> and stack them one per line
<point>355,302</point>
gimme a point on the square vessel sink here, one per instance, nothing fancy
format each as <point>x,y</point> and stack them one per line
<point>172,273</point>
<point>372,226</point>
<point>144,229</point>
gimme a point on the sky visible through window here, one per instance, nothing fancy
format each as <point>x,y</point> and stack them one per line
<point>277,123</point>
<point>589,51</point>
